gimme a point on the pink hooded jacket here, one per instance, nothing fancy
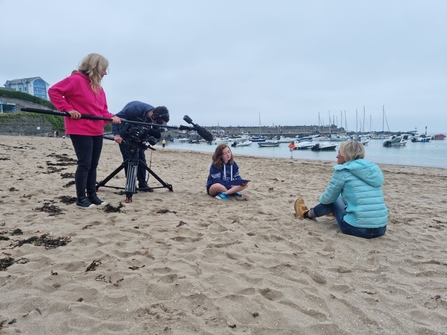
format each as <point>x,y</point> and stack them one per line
<point>74,93</point>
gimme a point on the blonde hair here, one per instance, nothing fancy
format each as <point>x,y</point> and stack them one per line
<point>93,66</point>
<point>352,150</point>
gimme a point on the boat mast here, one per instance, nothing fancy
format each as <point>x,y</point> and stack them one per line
<point>363,119</point>
<point>346,123</point>
<point>356,121</point>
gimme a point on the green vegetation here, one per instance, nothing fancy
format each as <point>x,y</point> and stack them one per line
<point>25,96</point>
<point>56,121</point>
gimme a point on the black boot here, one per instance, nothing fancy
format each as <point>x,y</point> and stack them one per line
<point>144,187</point>
<point>93,198</point>
<point>84,202</point>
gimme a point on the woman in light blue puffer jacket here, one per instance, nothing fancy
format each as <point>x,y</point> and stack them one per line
<point>354,195</point>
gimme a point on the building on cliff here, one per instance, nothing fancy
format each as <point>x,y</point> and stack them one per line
<point>35,86</point>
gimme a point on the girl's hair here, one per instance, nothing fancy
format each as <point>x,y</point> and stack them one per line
<point>93,66</point>
<point>352,150</point>
<point>218,153</point>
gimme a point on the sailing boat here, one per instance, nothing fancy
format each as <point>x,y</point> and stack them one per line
<point>393,141</point>
<point>381,134</point>
<point>259,138</point>
<point>218,138</point>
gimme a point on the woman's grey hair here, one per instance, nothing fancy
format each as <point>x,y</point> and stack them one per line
<point>352,150</point>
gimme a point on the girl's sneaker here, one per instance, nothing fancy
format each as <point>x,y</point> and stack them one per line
<point>237,195</point>
<point>222,196</point>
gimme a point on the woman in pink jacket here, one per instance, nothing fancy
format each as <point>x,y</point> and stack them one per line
<point>81,93</point>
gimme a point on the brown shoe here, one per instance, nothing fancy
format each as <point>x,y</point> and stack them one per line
<point>300,208</point>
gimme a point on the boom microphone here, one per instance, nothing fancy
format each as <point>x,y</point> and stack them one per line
<point>203,132</point>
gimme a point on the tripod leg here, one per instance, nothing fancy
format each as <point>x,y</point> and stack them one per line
<point>131,179</point>
<point>148,169</point>
<point>110,176</point>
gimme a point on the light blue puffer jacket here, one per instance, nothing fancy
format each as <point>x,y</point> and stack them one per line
<point>359,182</point>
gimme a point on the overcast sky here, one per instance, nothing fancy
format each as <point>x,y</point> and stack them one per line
<point>245,62</point>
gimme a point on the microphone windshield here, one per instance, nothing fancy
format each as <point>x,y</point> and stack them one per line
<point>204,133</point>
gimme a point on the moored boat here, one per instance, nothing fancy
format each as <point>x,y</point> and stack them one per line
<point>394,141</point>
<point>245,143</point>
<point>304,145</point>
<point>338,138</point>
<point>438,137</point>
<point>320,138</point>
<point>421,138</point>
<point>324,146</point>
<point>257,138</point>
<point>283,139</point>
<point>219,140</point>
<point>268,144</point>
<point>364,141</point>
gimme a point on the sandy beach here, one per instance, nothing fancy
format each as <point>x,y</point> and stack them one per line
<point>183,262</point>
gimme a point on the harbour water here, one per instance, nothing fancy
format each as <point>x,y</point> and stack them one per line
<point>430,154</point>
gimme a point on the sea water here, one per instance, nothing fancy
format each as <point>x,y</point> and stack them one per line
<point>429,154</point>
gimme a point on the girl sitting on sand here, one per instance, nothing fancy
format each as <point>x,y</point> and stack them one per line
<point>224,179</point>
<point>354,195</point>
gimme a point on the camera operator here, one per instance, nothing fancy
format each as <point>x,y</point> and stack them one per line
<point>142,112</point>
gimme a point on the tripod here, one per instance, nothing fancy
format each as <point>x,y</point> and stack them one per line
<point>131,175</point>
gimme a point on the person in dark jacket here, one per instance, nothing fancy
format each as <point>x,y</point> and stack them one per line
<point>224,179</point>
<point>142,112</point>
<point>354,195</point>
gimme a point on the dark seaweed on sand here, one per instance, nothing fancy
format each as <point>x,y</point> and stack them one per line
<point>63,158</point>
<point>17,231</point>
<point>111,209</point>
<point>53,210</point>
<point>49,243</point>
<point>69,184</point>
<point>6,262</point>
<point>67,200</point>
<point>52,169</point>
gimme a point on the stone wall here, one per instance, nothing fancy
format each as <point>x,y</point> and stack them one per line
<point>287,131</point>
<point>22,103</point>
<point>25,125</point>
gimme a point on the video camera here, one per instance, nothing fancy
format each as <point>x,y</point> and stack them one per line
<point>140,136</point>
